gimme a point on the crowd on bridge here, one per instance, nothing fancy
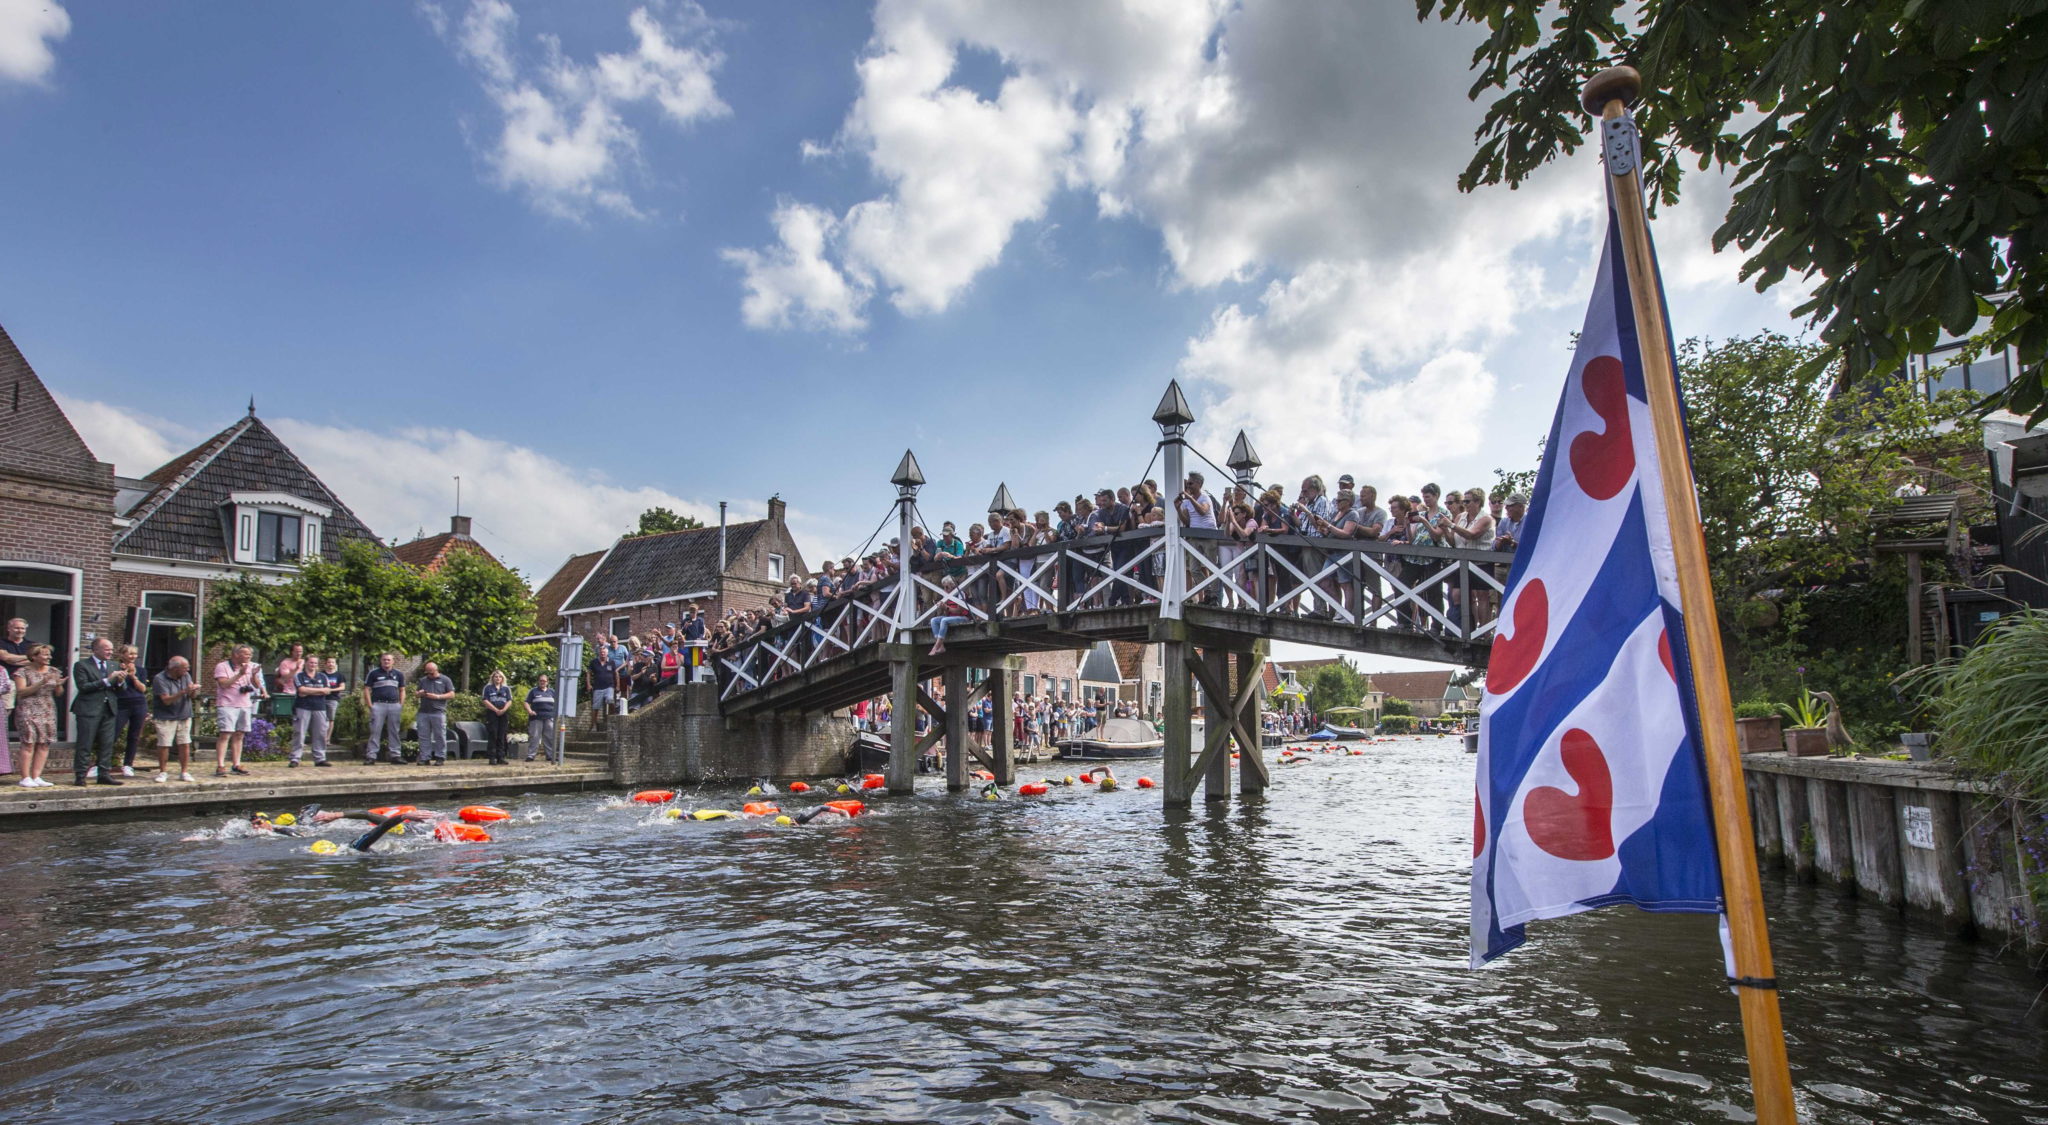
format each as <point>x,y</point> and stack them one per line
<point>1106,561</point>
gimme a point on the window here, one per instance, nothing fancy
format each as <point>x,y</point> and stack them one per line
<point>1067,690</point>
<point>278,537</point>
<point>1944,372</point>
<point>170,609</point>
<point>1030,687</point>
<point>774,568</point>
<point>620,627</point>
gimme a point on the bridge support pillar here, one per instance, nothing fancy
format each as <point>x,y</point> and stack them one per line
<point>1177,700</point>
<point>1252,773</point>
<point>1215,715</point>
<point>1002,684</point>
<point>903,708</point>
<point>958,753</point>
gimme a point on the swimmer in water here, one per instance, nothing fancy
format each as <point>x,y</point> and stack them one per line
<point>381,824</point>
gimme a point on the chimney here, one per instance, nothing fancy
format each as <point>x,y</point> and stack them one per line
<point>776,508</point>
<point>459,526</point>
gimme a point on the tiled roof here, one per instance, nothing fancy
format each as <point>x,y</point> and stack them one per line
<point>547,601</point>
<point>1271,675</point>
<point>40,441</point>
<point>181,519</point>
<point>1130,658</point>
<point>1099,666</point>
<point>429,552</point>
<point>652,568</point>
<point>1411,686</point>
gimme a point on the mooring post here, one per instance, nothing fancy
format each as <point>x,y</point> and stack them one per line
<point>1001,681</point>
<point>902,771</point>
<point>1178,766</point>
<point>1252,774</point>
<point>957,753</point>
<point>1215,712</point>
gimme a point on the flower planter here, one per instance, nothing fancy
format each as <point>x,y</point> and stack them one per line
<point>1762,735</point>
<point>1807,742</point>
<point>1919,745</point>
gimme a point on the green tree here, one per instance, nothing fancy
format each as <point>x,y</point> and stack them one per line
<point>1392,706</point>
<point>1337,684</point>
<point>484,608</point>
<point>1896,151</point>
<point>245,610</point>
<point>1791,481</point>
<point>362,603</point>
<point>654,521</point>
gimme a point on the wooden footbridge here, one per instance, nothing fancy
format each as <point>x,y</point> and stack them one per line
<point>1212,601</point>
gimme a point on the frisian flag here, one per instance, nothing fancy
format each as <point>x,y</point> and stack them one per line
<point>1592,790</point>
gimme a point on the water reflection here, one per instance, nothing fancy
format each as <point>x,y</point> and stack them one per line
<point>1082,957</point>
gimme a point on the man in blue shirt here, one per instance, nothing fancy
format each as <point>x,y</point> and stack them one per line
<point>433,690</point>
<point>384,696</point>
<point>310,722</point>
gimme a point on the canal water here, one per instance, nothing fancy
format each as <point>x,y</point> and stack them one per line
<point>1077,958</point>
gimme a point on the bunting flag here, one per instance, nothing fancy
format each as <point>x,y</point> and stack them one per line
<point>1591,788</point>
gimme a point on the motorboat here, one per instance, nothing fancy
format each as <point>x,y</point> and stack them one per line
<point>870,751</point>
<point>1338,734</point>
<point>1471,736</point>
<point>1114,739</point>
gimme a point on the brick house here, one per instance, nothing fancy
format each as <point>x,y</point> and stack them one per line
<point>56,501</point>
<point>1425,693</point>
<point>644,581</point>
<point>430,552</point>
<point>240,502</point>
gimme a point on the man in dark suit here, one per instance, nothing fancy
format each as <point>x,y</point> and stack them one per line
<point>95,679</point>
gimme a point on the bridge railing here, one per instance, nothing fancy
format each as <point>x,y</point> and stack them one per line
<point>1453,593</point>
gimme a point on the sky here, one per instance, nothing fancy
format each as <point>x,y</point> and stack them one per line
<point>594,257</point>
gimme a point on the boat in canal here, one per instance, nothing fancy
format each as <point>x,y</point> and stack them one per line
<point>1114,740</point>
<point>1331,733</point>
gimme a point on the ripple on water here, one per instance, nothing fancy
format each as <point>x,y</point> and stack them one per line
<point>1082,957</point>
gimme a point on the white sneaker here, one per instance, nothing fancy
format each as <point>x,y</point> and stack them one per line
<point>161,777</point>
<point>127,771</point>
<point>184,777</point>
<point>44,783</point>
<point>27,783</point>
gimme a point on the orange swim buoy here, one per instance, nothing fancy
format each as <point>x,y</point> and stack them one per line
<point>1034,789</point>
<point>389,810</point>
<point>984,775</point>
<point>799,787</point>
<point>655,796</point>
<point>872,781</point>
<point>1144,783</point>
<point>450,832</point>
<point>849,807</point>
<point>482,814</point>
<point>759,808</point>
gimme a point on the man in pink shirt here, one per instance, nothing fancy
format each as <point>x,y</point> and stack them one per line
<point>238,686</point>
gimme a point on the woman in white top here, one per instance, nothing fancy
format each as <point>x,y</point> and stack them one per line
<point>1474,528</point>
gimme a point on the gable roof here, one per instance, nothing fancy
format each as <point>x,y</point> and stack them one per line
<point>181,517</point>
<point>1130,659</point>
<point>1411,686</point>
<point>654,568</point>
<point>429,551</point>
<point>547,601</point>
<point>1099,666</point>
<point>41,441</point>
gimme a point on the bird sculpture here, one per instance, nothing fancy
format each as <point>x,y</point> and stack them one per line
<point>1838,732</point>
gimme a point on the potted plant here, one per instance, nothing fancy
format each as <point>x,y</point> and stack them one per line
<point>1759,727</point>
<point>1807,737</point>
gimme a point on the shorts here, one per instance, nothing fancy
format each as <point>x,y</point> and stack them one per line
<point>173,731</point>
<point>600,697</point>
<point>234,720</point>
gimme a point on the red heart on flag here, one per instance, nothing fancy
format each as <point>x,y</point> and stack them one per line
<point>1514,654</point>
<point>1478,824</point>
<point>1577,826</point>
<point>1603,462</point>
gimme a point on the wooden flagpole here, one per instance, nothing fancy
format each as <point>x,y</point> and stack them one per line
<point>1608,94</point>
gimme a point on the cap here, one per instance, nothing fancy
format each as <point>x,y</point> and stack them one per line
<point>1345,479</point>
<point>1518,498</point>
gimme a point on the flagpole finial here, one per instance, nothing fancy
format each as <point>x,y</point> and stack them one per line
<point>1623,82</point>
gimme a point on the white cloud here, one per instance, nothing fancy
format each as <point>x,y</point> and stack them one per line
<point>565,143</point>
<point>27,30</point>
<point>792,283</point>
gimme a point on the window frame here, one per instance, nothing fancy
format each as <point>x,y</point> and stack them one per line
<point>778,567</point>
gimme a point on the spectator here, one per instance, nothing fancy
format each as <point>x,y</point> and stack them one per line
<point>238,686</point>
<point>433,690</point>
<point>96,678</point>
<point>288,671</point>
<point>131,708</point>
<point>6,713</point>
<point>36,690</point>
<point>171,693</point>
<point>337,685</point>
<point>604,682</point>
<point>540,721</point>
<point>384,698</point>
<point>497,697</point>
<point>310,724</point>
<point>950,613</point>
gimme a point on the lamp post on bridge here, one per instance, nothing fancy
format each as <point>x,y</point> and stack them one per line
<point>908,478</point>
<point>902,770</point>
<point>1173,418</point>
<point>1244,461</point>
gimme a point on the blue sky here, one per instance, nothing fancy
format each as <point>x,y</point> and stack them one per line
<point>594,256</point>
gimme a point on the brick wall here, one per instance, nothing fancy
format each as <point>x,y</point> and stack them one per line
<point>58,524</point>
<point>681,738</point>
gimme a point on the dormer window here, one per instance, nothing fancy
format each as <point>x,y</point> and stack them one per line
<point>275,528</point>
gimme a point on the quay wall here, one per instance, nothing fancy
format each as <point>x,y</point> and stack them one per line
<point>1910,835</point>
<point>681,738</point>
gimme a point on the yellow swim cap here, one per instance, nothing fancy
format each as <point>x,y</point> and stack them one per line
<point>754,792</point>
<point>673,814</point>
<point>1108,783</point>
<point>398,830</point>
<point>845,788</point>
<point>325,847</point>
<point>784,820</point>
<point>286,819</point>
